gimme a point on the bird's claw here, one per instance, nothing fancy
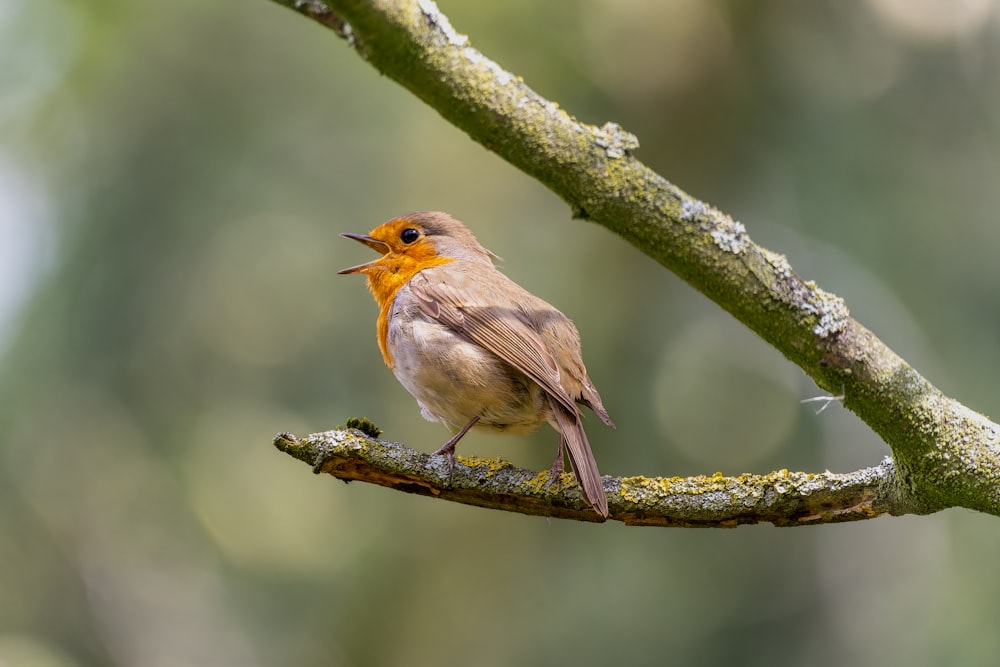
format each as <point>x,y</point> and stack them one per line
<point>448,451</point>
<point>558,466</point>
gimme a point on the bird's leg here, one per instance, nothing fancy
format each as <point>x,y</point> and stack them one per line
<point>558,466</point>
<point>448,448</point>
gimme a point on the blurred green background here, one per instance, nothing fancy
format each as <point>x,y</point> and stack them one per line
<point>173,177</point>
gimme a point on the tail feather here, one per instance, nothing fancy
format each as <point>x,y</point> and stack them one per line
<point>570,428</point>
<point>592,400</point>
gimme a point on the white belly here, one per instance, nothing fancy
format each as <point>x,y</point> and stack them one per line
<point>455,380</point>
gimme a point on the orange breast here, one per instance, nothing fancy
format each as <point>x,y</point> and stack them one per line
<point>382,329</point>
<point>385,279</point>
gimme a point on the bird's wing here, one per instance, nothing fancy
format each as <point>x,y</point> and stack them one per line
<point>472,305</point>
<point>564,342</point>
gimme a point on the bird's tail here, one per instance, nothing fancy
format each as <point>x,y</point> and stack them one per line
<point>570,427</point>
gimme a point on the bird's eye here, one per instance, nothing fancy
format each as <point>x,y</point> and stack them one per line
<point>409,235</point>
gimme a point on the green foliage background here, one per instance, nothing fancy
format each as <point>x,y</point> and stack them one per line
<point>173,177</point>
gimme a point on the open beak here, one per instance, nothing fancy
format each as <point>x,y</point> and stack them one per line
<point>379,246</point>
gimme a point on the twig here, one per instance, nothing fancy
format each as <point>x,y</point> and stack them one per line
<point>783,498</point>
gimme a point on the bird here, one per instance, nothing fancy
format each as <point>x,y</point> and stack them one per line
<point>474,348</point>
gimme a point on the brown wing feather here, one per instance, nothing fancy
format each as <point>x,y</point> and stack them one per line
<point>502,331</point>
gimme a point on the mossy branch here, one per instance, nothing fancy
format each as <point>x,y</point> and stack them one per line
<point>782,498</point>
<point>945,455</point>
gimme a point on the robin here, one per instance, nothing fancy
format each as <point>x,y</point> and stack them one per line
<point>473,347</point>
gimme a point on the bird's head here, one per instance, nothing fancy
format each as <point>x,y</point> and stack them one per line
<point>416,241</point>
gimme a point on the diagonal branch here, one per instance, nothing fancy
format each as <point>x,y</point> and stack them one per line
<point>782,498</point>
<point>945,455</point>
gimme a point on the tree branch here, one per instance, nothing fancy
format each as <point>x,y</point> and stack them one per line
<point>782,498</point>
<point>945,455</point>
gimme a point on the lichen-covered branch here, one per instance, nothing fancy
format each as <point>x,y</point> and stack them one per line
<point>782,498</point>
<point>945,454</point>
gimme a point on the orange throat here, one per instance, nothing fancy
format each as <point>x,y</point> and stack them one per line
<point>385,278</point>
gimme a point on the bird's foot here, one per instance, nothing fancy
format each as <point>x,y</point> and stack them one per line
<point>448,448</point>
<point>558,466</point>
<point>448,451</point>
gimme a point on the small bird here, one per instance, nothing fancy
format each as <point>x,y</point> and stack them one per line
<point>473,347</point>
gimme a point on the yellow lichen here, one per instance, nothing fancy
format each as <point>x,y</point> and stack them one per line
<point>492,465</point>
